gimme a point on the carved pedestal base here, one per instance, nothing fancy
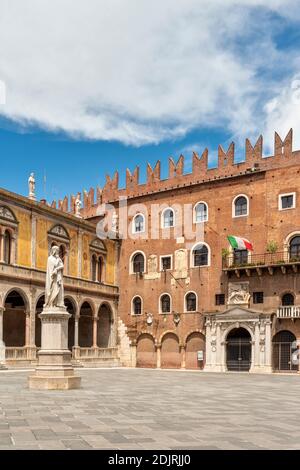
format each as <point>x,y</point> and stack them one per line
<point>2,356</point>
<point>54,370</point>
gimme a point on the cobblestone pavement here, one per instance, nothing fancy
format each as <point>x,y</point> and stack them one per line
<point>152,409</point>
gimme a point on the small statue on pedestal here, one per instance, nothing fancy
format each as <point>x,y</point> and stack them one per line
<point>31,187</point>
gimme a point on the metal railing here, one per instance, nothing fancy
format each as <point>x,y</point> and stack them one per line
<point>288,312</point>
<point>266,259</point>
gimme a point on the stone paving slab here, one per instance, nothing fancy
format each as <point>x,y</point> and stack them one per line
<point>152,409</point>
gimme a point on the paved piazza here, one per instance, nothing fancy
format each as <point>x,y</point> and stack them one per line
<point>152,409</point>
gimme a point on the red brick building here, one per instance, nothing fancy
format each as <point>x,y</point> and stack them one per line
<point>195,302</point>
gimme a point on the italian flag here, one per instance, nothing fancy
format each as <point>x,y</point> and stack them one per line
<point>240,243</point>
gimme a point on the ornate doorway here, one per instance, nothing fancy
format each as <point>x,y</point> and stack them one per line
<point>283,352</point>
<point>238,357</point>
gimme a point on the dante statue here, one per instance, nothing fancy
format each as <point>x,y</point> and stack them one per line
<point>54,280</point>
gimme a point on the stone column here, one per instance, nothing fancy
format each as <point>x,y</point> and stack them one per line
<point>207,366</point>
<point>158,356</point>
<point>183,357</point>
<point>220,362</point>
<point>268,347</point>
<point>95,331</point>
<point>14,249</point>
<point>1,324</point>
<point>255,363</point>
<point>76,332</point>
<point>27,328</point>
<point>2,345</point>
<point>1,248</point>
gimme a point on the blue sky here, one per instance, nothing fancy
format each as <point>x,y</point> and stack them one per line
<point>88,92</point>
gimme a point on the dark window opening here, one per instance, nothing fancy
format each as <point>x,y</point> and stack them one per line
<point>258,297</point>
<point>220,299</point>
<point>166,263</point>
<point>191,302</point>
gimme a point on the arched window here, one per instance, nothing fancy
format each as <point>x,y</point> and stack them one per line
<point>137,306</point>
<point>94,268</point>
<point>62,252</point>
<point>200,255</point>
<point>138,263</point>
<point>240,206</point>
<point>7,247</point>
<point>165,303</point>
<point>287,300</point>
<point>168,218</point>
<point>100,268</point>
<point>139,224</point>
<point>201,212</point>
<point>191,302</point>
<point>295,248</point>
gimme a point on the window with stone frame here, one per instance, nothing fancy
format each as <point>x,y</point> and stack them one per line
<point>137,306</point>
<point>168,218</point>
<point>139,223</point>
<point>294,249</point>
<point>138,263</point>
<point>288,300</point>
<point>59,236</point>
<point>240,206</point>
<point>287,201</point>
<point>98,253</point>
<point>191,302</point>
<point>8,235</point>
<point>201,212</point>
<point>200,255</point>
<point>166,263</point>
<point>165,303</point>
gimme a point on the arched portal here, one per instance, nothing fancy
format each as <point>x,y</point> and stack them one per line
<point>104,330</point>
<point>38,326</point>
<point>195,344</point>
<point>145,353</point>
<point>170,352</point>
<point>14,320</point>
<point>85,335</point>
<point>71,324</point>
<point>285,352</point>
<point>238,350</point>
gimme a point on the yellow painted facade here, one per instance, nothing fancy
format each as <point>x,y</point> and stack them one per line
<point>43,226</point>
<point>45,222</point>
<point>110,262</point>
<point>24,238</point>
<point>73,255</point>
<point>86,240</point>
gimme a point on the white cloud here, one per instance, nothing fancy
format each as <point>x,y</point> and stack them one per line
<point>136,71</point>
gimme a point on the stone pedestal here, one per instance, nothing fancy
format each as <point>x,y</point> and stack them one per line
<point>2,355</point>
<point>54,370</point>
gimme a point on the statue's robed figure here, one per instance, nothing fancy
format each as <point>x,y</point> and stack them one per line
<point>54,280</point>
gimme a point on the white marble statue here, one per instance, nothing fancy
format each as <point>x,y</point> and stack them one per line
<point>78,205</point>
<point>115,222</point>
<point>31,186</point>
<point>54,280</point>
